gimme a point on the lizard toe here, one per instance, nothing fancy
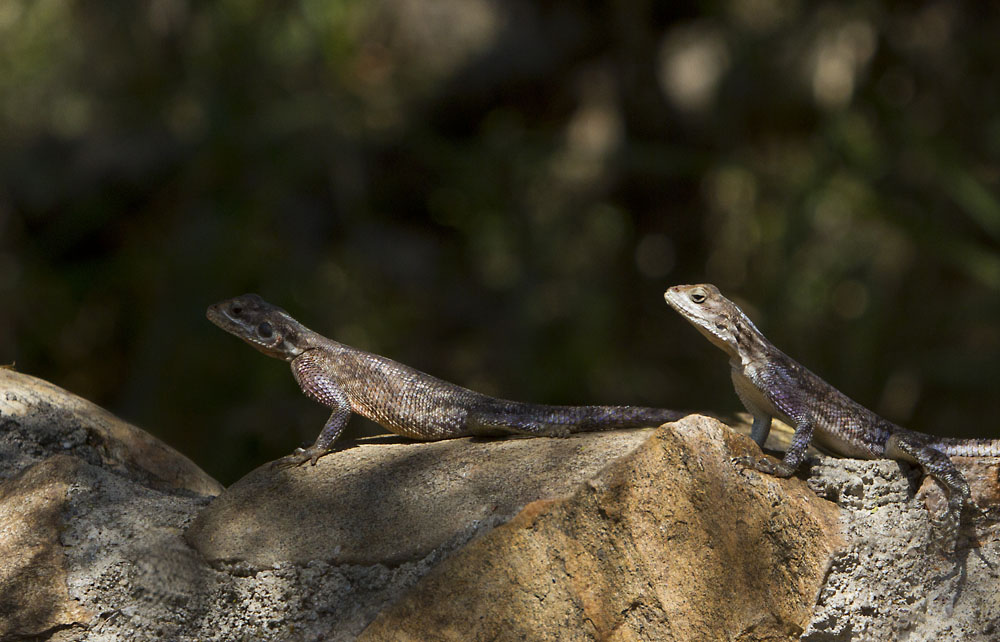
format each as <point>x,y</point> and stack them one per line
<point>297,458</point>
<point>765,465</point>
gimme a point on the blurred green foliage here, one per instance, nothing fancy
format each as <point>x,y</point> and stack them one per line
<point>498,193</point>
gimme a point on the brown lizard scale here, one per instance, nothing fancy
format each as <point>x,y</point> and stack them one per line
<point>772,384</point>
<point>399,398</point>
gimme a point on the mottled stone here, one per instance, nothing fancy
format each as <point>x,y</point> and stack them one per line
<point>391,501</point>
<point>670,542</point>
<point>34,599</point>
<point>39,419</point>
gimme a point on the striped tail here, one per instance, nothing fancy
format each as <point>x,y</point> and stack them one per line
<point>968,447</point>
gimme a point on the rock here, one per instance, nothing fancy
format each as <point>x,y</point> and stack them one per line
<point>33,593</point>
<point>39,419</point>
<point>56,448</point>
<point>126,559</point>
<point>128,562</point>
<point>895,578</point>
<point>670,542</point>
<point>387,503</point>
<point>628,535</point>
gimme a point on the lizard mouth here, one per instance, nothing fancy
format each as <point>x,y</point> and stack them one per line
<point>214,314</point>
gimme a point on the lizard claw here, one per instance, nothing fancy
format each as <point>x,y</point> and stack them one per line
<point>765,465</point>
<point>299,457</point>
<point>945,529</point>
<point>944,533</point>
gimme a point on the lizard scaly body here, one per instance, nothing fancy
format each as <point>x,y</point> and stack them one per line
<point>399,398</point>
<point>772,384</point>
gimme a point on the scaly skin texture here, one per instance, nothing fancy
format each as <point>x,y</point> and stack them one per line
<point>399,398</point>
<point>772,384</point>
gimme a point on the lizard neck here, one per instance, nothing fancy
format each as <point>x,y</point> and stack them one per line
<point>752,349</point>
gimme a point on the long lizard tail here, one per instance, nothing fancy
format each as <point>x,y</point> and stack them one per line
<point>538,419</point>
<point>587,418</point>
<point>968,447</point>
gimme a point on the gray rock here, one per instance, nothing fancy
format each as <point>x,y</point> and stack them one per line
<point>39,419</point>
<point>895,578</point>
<point>128,562</point>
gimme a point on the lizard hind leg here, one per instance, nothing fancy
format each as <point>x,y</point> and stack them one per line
<point>920,450</point>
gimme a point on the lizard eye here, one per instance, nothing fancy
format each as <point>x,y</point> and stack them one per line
<point>236,309</point>
<point>265,331</point>
<point>698,296</point>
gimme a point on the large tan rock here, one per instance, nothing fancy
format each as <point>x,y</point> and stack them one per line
<point>57,452</point>
<point>40,419</point>
<point>671,542</point>
<point>385,502</point>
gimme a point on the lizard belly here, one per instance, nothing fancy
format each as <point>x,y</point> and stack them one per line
<point>845,442</point>
<point>410,415</point>
<point>833,442</point>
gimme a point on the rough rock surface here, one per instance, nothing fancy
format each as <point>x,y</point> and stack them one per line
<point>146,583</point>
<point>39,419</point>
<point>388,502</point>
<point>895,579</point>
<point>48,438</point>
<point>669,543</point>
<point>33,569</point>
<point>648,534</point>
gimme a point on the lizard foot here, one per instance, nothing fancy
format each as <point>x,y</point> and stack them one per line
<point>991,514</point>
<point>299,457</point>
<point>945,529</point>
<point>944,533</point>
<point>765,465</point>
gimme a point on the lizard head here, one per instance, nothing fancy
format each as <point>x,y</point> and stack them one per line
<point>714,315</point>
<point>264,326</point>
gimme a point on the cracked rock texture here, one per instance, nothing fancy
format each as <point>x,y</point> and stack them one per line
<point>895,579</point>
<point>108,534</point>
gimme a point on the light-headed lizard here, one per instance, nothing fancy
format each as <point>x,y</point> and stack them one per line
<point>772,384</point>
<point>399,398</point>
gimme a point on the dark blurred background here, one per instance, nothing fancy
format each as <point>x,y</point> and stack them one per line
<point>498,193</point>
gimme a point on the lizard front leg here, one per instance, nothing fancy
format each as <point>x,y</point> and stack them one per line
<point>331,430</point>
<point>794,456</point>
<point>761,429</point>
<point>310,370</point>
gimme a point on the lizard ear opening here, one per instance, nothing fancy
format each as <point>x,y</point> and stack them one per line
<point>265,330</point>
